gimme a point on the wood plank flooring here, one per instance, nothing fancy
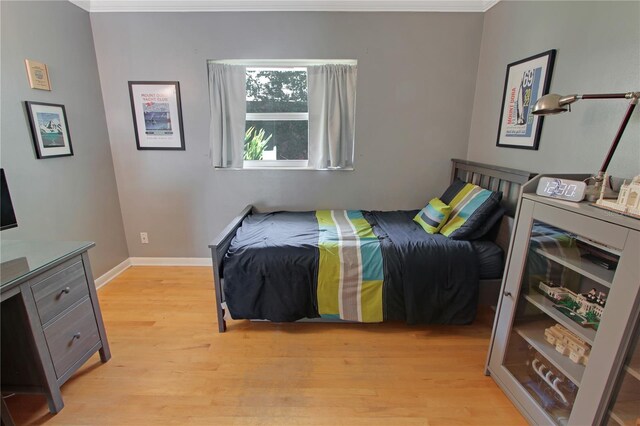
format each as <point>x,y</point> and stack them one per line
<point>171,366</point>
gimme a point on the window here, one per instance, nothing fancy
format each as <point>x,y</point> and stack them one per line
<point>282,113</point>
<point>277,119</point>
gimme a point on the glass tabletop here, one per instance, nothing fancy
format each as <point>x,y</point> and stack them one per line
<point>20,258</point>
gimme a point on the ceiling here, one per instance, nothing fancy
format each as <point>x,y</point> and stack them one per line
<point>285,5</point>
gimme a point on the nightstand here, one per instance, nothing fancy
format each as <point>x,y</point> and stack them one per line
<point>51,320</point>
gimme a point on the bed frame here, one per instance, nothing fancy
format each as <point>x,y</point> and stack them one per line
<point>495,178</point>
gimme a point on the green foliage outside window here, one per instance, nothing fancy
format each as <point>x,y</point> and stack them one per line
<point>255,143</point>
<point>278,91</point>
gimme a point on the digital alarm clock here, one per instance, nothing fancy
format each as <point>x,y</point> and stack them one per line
<point>563,189</point>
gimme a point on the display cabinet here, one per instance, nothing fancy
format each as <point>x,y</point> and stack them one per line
<point>562,347</point>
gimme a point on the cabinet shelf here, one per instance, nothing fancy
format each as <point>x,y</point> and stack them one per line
<point>533,333</point>
<point>633,367</point>
<point>583,267</point>
<point>633,370</point>
<point>546,306</point>
<point>625,413</point>
<point>596,244</point>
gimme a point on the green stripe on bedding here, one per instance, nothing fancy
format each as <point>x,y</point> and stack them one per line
<point>350,272</point>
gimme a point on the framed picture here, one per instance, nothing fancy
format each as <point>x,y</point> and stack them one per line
<point>526,81</point>
<point>49,129</point>
<point>157,114</point>
<point>38,75</point>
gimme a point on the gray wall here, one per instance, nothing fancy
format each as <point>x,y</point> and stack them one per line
<point>414,73</point>
<point>598,46</point>
<point>68,198</point>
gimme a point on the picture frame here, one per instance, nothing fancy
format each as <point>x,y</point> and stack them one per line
<point>157,115</point>
<point>49,130</point>
<point>38,75</point>
<point>525,82</point>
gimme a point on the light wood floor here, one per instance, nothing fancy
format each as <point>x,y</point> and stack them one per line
<point>170,366</point>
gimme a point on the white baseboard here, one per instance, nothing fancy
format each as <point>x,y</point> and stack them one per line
<point>112,273</point>
<point>171,261</point>
<point>105,278</point>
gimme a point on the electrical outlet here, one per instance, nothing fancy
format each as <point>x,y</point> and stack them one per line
<point>144,238</point>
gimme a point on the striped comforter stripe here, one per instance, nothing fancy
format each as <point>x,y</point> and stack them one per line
<point>350,272</point>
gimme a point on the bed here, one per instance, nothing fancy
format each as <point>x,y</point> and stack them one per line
<point>276,265</point>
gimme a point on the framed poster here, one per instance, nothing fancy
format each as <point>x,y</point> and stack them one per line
<point>157,114</point>
<point>49,130</point>
<point>526,81</point>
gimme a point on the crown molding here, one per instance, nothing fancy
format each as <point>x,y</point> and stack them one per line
<point>285,5</point>
<point>83,4</point>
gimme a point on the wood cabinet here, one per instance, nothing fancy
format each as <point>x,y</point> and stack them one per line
<point>51,321</point>
<point>567,317</point>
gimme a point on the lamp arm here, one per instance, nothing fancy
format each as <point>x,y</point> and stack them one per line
<point>616,139</point>
<point>633,96</point>
<point>553,104</point>
<point>629,95</point>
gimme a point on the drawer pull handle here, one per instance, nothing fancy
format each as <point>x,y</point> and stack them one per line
<point>76,336</point>
<point>65,291</point>
<point>507,294</point>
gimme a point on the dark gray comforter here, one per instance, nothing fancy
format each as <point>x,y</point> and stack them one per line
<point>270,270</point>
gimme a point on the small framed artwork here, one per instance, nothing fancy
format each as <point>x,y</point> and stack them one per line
<point>157,114</point>
<point>526,81</point>
<point>49,130</point>
<point>38,75</point>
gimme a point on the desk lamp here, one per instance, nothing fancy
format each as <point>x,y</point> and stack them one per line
<point>554,104</point>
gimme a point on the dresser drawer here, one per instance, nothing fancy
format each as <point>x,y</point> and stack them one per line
<point>60,290</point>
<point>71,336</point>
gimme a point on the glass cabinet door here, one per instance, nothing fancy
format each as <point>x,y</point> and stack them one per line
<point>625,405</point>
<point>562,297</point>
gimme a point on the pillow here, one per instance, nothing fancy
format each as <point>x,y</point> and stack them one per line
<point>433,216</point>
<point>471,207</point>
<point>486,227</point>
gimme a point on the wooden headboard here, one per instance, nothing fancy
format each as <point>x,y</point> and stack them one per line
<point>495,178</point>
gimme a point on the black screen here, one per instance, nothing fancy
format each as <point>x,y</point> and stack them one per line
<point>8,219</point>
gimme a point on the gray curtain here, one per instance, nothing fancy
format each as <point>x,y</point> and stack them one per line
<point>332,108</point>
<point>227,99</point>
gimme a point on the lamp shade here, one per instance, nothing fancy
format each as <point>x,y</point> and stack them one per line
<point>549,104</point>
<point>553,104</point>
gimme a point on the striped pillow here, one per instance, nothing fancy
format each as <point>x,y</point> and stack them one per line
<point>433,216</point>
<point>471,207</point>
